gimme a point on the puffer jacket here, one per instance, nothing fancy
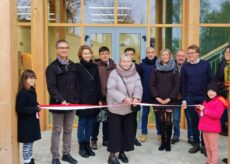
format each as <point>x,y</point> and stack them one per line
<point>117,92</point>
<point>210,120</point>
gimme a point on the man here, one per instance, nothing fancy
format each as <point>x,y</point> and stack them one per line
<point>195,76</point>
<point>105,66</point>
<point>131,51</point>
<point>62,85</point>
<point>180,60</point>
<point>146,67</point>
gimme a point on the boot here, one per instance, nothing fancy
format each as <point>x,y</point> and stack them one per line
<point>82,150</point>
<point>163,144</point>
<point>88,149</point>
<point>168,137</point>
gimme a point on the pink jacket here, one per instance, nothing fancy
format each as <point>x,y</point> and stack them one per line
<point>210,121</point>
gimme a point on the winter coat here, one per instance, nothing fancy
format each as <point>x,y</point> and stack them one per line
<point>104,71</point>
<point>117,91</point>
<point>210,121</point>
<point>62,83</point>
<point>145,68</point>
<point>89,84</point>
<point>28,123</point>
<point>165,82</point>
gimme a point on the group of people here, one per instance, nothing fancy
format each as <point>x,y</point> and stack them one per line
<point>164,81</point>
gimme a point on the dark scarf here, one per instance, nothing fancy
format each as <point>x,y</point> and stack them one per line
<point>86,64</point>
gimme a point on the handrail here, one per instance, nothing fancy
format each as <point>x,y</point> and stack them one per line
<point>213,52</point>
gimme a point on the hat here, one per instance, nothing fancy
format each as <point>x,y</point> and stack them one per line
<point>213,86</point>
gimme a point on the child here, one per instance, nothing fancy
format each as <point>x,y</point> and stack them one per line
<point>28,115</point>
<point>210,113</point>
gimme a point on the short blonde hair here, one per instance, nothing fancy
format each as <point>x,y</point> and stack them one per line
<point>168,51</point>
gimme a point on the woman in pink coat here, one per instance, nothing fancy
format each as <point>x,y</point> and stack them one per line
<point>210,113</point>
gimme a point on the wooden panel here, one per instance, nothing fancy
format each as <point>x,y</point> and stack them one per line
<point>38,52</point>
<point>8,83</point>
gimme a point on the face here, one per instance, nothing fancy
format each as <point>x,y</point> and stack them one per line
<point>62,50</point>
<point>211,94</point>
<point>165,56</point>
<point>150,53</point>
<point>125,62</point>
<point>192,55</point>
<point>180,57</point>
<point>130,53</point>
<point>31,81</point>
<point>104,56</point>
<point>86,55</point>
<point>227,54</point>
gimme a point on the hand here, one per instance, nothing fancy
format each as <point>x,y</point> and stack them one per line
<point>166,101</point>
<point>184,105</point>
<point>201,107</point>
<point>127,100</point>
<point>135,100</point>
<point>39,109</point>
<point>64,103</point>
<point>100,102</point>
<point>160,100</point>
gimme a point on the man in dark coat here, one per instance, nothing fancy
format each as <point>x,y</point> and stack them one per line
<point>105,66</point>
<point>62,85</point>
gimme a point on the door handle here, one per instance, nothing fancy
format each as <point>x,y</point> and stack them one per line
<point>86,37</point>
<point>144,38</point>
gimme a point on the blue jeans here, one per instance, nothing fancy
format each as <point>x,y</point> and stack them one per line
<point>194,117</point>
<point>189,124</point>
<point>176,122</point>
<point>144,121</point>
<point>85,127</point>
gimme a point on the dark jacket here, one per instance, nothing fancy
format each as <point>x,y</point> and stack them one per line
<point>28,123</point>
<point>145,71</point>
<point>165,84</point>
<point>62,83</point>
<point>104,71</point>
<point>219,77</point>
<point>89,82</point>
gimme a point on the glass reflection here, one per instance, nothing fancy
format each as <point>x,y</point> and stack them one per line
<point>24,12</point>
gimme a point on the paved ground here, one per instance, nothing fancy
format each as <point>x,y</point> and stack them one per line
<point>146,154</point>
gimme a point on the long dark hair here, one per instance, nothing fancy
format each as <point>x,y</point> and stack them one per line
<point>25,75</point>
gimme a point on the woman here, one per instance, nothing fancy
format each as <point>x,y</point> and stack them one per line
<point>124,87</point>
<point>164,87</point>
<point>90,93</point>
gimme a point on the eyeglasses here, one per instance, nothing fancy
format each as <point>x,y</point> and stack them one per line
<point>63,48</point>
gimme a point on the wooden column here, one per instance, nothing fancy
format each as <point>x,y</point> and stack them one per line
<point>38,52</point>
<point>8,83</point>
<point>192,29</point>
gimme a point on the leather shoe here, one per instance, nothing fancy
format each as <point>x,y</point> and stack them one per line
<point>203,151</point>
<point>225,160</point>
<point>113,160</point>
<point>123,157</point>
<point>69,158</point>
<point>56,161</point>
<point>136,142</point>
<point>195,148</point>
<point>174,140</point>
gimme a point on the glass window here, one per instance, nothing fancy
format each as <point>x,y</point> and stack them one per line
<point>67,11</point>
<point>132,12</point>
<point>166,38</point>
<point>24,48</point>
<point>214,11</point>
<point>166,11</point>
<point>24,12</point>
<point>99,12</point>
<point>73,37</point>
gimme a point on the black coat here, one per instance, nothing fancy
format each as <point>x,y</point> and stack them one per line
<point>28,123</point>
<point>89,84</point>
<point>165,85</point>
<point>62,83</point>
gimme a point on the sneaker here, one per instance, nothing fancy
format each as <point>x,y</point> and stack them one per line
<point>94,145</point>
<point>143,138</point>
<point>194,149</point>
<point>69,158</point>
<point>174,140</point>
<point>136,142</point>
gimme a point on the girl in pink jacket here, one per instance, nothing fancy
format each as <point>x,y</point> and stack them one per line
<point>210,113</point>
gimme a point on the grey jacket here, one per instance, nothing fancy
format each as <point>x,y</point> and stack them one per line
<point>116,89</point>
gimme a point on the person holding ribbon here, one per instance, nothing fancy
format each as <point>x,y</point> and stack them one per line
<point>165,87</point>
<point>90,93</point>
<point>124,90</point>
